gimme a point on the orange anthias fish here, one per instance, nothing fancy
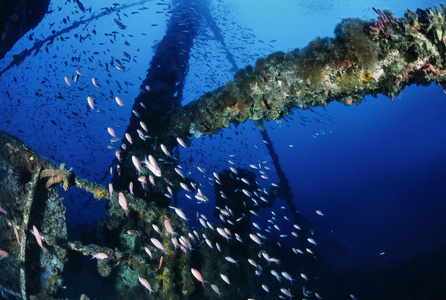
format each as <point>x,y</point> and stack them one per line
<point>99,256</point>
<point>90,102</point>
<point>133,232</point>
<point>3,254</point>
<point>119,101</point>
<point>181,142</point>
<point>67,80</point>
<point>168,227</point>
<point>38,237</point>
<point>197,276</point>
<point>145,284</point>
<point>17,235</point>
<point>123,202</point>
<point>148,252</point>
<point>157,244</point>
<point>161,262</point>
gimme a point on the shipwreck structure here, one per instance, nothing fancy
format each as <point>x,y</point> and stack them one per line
<point>364,58</point>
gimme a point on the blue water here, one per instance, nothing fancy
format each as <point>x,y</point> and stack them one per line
<point>377,171</point>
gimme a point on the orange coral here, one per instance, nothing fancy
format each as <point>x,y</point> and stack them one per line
<point>366,76</point>
<point>99,193</point>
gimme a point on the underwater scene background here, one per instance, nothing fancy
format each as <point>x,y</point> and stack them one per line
<point>364,218</point>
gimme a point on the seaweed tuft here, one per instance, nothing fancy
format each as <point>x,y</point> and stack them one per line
<point>357,45</point>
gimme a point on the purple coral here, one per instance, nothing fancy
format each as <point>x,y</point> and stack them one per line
<point>380,27</point>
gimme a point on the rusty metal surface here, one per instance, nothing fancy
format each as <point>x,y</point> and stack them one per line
<point>28,271</point>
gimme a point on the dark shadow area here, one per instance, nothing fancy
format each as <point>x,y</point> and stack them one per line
<point>419,279</point>
<point>82,277</point>
<point>17,18</point>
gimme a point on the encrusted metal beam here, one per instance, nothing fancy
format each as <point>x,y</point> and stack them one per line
<point>364,58</point>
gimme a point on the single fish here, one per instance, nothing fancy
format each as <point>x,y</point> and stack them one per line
<point>90,102</point>
<point>137,164</point>
<point>17,235</point>
<point>287,276</point>
<point>38,237</point>
<point>225,279</point>
<point>168,227</point>
<point>99,256</point>
<point>143,126</point>
<point>145,284</point>
<point>149,253</point>
<point>286,292</point>
<point>152,180</point>
<point>275,274</point>
<point>181,142</point>
<point>175,242</point>
<point>184,187</point>
<point>133,232</point>
<point>216,290</point>
<point>119,101</point>
<point>111,131</point>
<point>179,172</point>
<point>312,241</point>
<point>165,151</point>
<point>67,80</point>
<point>123,202</point>
<point>256,239</point>
<point>197,276</point>
<point>157,244</point>
<point>110,190</point>
<point>231,260</point>
<point>180,213</point>
<point>156,228</point>
<point>129,138</point>
<point>252,262</point>
<point>3,254</point>
<point>247,193</point>
<point>161,262</point>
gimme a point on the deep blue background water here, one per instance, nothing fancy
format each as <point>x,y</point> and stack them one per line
<point>377,170</point>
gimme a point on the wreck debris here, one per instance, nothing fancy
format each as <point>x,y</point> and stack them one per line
<point>267,92</point>
<point>364,58</point>
<point>29,271</point>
